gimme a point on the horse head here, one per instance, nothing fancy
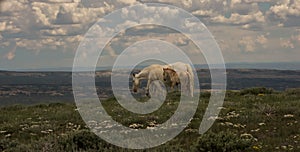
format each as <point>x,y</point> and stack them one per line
<point>165,74</point>
<point>135,82</point>
<point>168,73</point>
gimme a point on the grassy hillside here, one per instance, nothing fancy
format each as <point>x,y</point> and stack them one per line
<point>256,119</point>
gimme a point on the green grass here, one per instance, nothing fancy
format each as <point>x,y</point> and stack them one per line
<point>253,119</point>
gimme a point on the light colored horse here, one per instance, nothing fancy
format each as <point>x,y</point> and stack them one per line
<point>171,78</point>
<point>155,72</point>
<point>151,73</point>
<point>186,75</point>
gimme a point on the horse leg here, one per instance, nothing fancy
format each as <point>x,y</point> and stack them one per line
<point>190,85</point>
<point>174,83</point>
<point>147,87</point>
<point>172,87</point>
<point>177,86</point>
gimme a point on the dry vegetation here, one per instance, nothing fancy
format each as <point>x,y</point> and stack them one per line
<point>256,119</point>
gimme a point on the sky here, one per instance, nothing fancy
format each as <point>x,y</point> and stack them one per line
<point>38,34</point>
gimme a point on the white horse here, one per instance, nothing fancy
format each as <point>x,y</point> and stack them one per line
<point>151,73</point>
<point>185,74</point>
<point>171,78</point>
<point>155,72</point>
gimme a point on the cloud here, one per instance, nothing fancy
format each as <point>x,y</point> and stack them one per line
<point>253,44</point>
<point>257,1</point>
<point>181,4</point>
<point>30,23</point>
<point>11,54</point>
<point>51,25</point>
<point>8,7</point>
<point>187,3</point>
<point>286,43</point>
<point>128,2</point>
<point>29,44</point>
<point>57,17</point>
<point>238,19</point>
<point>233,3</point>
<point>64,30</point>
<point>286,8</point>
<point>73,39</point>
<point>204,13</point>
<point>292,42</point>
<point>63,17</point>
<point>247,44</point>
<point>73,14</point>
<point>56,32</point>
<point>191,5</point>
<point>261,39</point>
<point>2,26</point>
<point>296,37</point>
<point>286,12</point>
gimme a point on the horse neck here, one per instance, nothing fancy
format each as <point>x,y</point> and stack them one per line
<point>142,74</point>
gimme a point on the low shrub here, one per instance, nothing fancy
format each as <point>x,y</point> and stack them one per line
<point>256,91</point>
<point>224,141</point>
<point>83,140</point>
<point>292,91</point>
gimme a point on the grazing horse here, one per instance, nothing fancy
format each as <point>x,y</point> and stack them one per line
<point>155,72</point>
<point>151,73</point>
<point>171,78</point>
<point>186,74</point>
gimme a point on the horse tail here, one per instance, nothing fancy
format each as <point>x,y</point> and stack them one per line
<point>191,79</point>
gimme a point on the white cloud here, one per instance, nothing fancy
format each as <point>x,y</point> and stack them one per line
<point>43,25</point>
<point>127,1</point>
<point>187,3</point>
<point>256,1</point>
<point>247,44</point>
<point>261,39</point>
<point>296,38</point>
<point>41,18</point>
<point>74,39</point>
<point>238,19</point>
<point>253,43</point>
<point>57,32</point>
<point>33,45</point>
<point>60,1</point>
<point>234,2</point>
<point>286,43</point>
<point>44,18</point>
<point>10,27</point>
<point>204,13</point>
<point>11,7</point>
<point>2,26</point>
<point>286,8</point>
<point>292,42</point>
<point>11,54</point>
<point>285,13</point>
<point>126,24</point>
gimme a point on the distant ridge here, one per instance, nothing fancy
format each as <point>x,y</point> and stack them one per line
<point>242,65</point>
<point>275,66</point>
<point>270,66</point>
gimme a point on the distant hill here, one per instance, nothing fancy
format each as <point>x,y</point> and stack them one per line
<point>242,65</point>
<point>30,87</point>
<point>270,66</point>
<point>237,78</point>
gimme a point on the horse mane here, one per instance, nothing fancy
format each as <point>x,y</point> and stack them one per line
<point>170,69</point>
